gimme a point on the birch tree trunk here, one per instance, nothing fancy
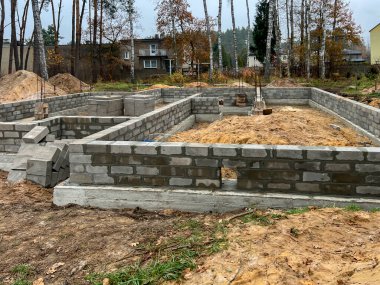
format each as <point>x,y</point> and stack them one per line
<point>288,41</point>
<point>291,51</point>
<point>39,40</point>
<point>269,41</point>
<point>131,14</point>
<point>2,30</point>
<point>234,37</point>
<point>220,48</point>
<point>308,39</point>
<point>174,34</point>
<point>322,53</point>
<point>210,71</point>
<point>248,32</point>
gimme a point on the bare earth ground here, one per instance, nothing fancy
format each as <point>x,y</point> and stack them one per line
<point>286,126</point>
<point>63,245</point>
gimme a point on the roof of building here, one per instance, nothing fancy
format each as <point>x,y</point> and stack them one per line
<point>352,52</point>
<point>374,27</point>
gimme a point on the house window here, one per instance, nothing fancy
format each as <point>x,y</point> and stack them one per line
<point>150,63</point>
<point>127,55</point>
<point>153,49</point>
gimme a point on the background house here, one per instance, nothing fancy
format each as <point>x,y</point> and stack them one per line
<point>375,45</point>
<point>353,56</point>
<point>151,57</point>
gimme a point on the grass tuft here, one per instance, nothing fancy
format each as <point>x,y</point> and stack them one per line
<point>297,211</point>
<point>22,272</point>
<point>353,208</point>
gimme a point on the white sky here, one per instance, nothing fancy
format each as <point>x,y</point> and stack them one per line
<point>366,14</point>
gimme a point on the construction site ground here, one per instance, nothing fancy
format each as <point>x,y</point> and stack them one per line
<point>50,245</point>
<point>288,125</point>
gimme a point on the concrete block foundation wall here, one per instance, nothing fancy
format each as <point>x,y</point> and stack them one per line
<point>362,115</point>
<point>141,128</point>
<point>61,127</point>
<point>295,95</point>
<point>205,105</point>
<point>311,170</point>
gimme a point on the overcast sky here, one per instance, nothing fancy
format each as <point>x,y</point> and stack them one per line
<point>366,14</point>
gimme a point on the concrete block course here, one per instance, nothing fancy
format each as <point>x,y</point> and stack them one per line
<point>36,135</point>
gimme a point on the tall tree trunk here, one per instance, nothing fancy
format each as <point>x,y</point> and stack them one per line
<point>14,36</point>
<point>81,24</point>
<point>101,40</point>
<point>39,40</point>
<point>94,54</point>
<point>220,48</point>
<point>24,20</point>
<point>291,35</point>
<point>278,36</point>
<point>248,32</point>
<point>2,19</point>
<point>131,14</point>
<point>322,54</point>
<point>288,41</point>
<point>234,37</point>
<point>308,39</point>
<point>302,30</point>
<point>72,52</point>
<point>269,41</point>
<point>77,36</point>
<point>211,70</point>
<point>174,34</point>
<point>30,44</point>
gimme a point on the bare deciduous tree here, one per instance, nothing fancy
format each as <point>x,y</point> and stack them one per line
<point>207,19</point>
<point>220,48</point>
<point>269,41</point>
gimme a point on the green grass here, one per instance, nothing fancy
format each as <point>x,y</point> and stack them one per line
<point>258,219</point>
<point>22,272</point>
<point>353,208</point>
<point>297,211</point>
<point>172,257</point>
<point>375,210</point>
<point>117,86</point>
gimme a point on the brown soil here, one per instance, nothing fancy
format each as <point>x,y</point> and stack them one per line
<point>241,84</point>
<point>283,83</point>
<point>157,86</point>
<point>327,247</point>
<point>22,85</point>
<point>286,126</point>
<point>70,84</point>
<point>369,91</point>
<point>197,85</point>
<point>375,103</point>
<point>63,245</point>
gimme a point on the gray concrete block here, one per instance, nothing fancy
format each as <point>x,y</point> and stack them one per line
<point>44,181</point>
<point>145,170</point>
<point>372,190</point>
<point>146,148</point>
<point>181,161</point>
<point>254,151</point>
<point>121,170</point>
<point>208,183</point>
<point>195,149</point>
<point>337,167</point>
<point>39,167</point>
<point>320,153</point>
<point>36,135</point>
<point>103,179</point>
<point>291,152</point>
<point>180,182</point>
<point>206,162</point>
<point>224,150</point>
<point>350,154</point>
<point>370,168</point>
<point>16,176</point>
<point>171,148</point>
<point>315,176</point>
<point>308,187</point>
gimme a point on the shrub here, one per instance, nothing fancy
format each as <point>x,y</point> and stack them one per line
<point>373,73</point>
<point>176,78</point>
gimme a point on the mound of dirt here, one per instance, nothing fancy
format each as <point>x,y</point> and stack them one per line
<point>286,126</point>
<point>68,83</point>
<point>283,83</point>
<point>157,86</point>
<point>375,103</point>
<point>197,85</point>
<point>24,85</point>
<point>241,84</point>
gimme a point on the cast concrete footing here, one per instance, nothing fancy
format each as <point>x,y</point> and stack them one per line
<point>189,200</point>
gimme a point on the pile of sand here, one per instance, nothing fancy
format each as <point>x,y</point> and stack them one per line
<point>158,86</point>
<point>241,84</point>
<point>370,90</point>
<point>24,85</point>
<point>375,103</point>
<point>69,83</point>
<point>286,126</point>
<point>285,82</point>
<point>197,85</point>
